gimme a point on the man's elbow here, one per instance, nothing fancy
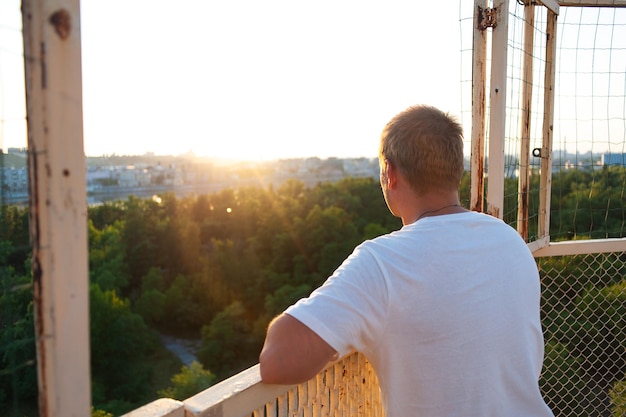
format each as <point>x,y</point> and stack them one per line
<point>268,370</point>
<point>275,371</point>
<point>270,377</point>
<point>273,374</point>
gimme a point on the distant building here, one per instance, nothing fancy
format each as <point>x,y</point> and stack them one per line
<point>133,177</point>
<point>613,159</point>
<point>14,179</point>
<point>361,167</point>
<point>17,151</point>
<point>572,165</point>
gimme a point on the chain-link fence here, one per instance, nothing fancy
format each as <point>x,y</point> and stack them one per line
<point>584,320</point>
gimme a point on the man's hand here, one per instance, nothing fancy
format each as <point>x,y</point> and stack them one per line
<point>292,353</point>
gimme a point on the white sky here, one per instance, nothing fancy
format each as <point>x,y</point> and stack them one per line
<point>266,79</point>
<point>247,79</point>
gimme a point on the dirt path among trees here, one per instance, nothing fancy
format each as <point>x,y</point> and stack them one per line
<point>184,349</point>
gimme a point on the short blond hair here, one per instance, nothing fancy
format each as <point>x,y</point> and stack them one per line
<point>426,146</point>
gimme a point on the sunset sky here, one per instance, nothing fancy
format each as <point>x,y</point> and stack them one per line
<point>247,79</point>
<point>268,79</point>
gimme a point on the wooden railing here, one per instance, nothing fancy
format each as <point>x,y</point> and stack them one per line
<point>348,387</point>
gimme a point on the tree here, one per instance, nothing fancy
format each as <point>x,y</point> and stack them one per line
<point>177,236</point>
<point>106,214</point>
<point>140,236</point>
<point>327,237</point>
<point>227,346</point>
<point>360,197</point>
<point>150,306</point>
<point>283,297</point>
<point>588,202</point>
<point>618,398</point>
<point>151,303</point>
<point>100,413</point>
<point>14,228</point>
<point>107,266</point>
<point>120,340</point>
<point>191,380</point>
<point>18,378</point>
<point>182,312</point>
<point>372,230</point>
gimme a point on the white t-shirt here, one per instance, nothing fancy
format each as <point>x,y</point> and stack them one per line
<point>447,311</point>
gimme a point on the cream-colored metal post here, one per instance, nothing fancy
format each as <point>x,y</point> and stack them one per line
<point>523,191</point>
<point>497,110</point>
<point>58,206</point>
<point>547,131</point>
<point>479,108</point>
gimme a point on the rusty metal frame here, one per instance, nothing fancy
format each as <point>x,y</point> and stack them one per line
<point>496,18</point>
<point>543,246</point>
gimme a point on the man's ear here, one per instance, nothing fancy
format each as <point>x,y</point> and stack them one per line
<point>391,175</point>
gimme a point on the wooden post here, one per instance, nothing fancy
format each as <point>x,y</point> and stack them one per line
<point>58,205</point>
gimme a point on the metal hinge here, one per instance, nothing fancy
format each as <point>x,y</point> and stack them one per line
<point>487,18</point>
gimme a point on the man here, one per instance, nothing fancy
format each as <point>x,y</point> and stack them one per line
<point>446,309</point>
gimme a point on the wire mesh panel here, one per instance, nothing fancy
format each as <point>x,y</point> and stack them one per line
<point>588,155</point>
<point>589,179</point>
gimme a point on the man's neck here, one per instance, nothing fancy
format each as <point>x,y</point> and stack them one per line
<point>432,204</point>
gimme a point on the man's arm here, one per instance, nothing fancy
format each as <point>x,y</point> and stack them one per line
<point>292,352</point>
